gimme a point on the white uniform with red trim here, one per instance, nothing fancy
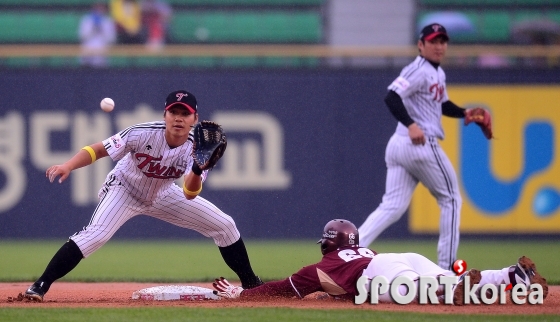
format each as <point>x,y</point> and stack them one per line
<point>422,89</point>
<point>142,182</point>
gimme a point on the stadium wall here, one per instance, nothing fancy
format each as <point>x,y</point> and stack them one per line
<point>303,146</point>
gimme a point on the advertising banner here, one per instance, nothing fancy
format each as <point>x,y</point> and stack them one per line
<point>509,184</point>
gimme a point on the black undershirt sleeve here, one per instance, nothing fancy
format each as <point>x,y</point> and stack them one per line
<point>450,109</point>
<point>396,106</point>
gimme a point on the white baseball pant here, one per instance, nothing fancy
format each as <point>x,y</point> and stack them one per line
<point>408,164</point>
<point>117,206</point>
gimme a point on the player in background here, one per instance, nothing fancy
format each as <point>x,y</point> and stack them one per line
<point>151,156</point>
<point>418,99</point>
<point>344,262</point>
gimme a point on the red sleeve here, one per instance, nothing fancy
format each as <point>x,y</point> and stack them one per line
<point>276,288</point>
<point>300,284</point>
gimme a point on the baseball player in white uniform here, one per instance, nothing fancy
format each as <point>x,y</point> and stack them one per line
<point>151,156</point>
<point>417,99</point>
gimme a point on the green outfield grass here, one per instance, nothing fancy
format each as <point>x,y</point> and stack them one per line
<point>244,315</point>
<point>199,260</point>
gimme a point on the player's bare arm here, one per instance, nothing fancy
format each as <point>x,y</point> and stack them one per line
<point>84,157</point>
<point>192,183</point>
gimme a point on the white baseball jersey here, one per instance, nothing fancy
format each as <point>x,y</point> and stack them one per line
<point>147,165</point>
<point>422,89</point>
<point>142,182</point>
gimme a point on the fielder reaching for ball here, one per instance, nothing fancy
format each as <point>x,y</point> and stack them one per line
<point>151,156</point>
<point>344,262</point>
<point>418,99</point>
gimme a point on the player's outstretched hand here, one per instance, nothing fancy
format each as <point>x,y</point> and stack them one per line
<point>225,289</point>
<point>58,170</point>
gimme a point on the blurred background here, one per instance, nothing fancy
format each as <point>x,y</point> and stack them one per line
<point>298,86</point>
<point>297,33</point>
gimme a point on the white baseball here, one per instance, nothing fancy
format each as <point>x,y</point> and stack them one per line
<point>107,104</point>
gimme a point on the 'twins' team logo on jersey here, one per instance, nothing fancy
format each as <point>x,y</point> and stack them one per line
<point>152,167</point>
<point>437,90</point>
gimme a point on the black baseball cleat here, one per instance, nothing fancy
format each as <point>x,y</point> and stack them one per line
<point>34,293</point>
<point>525,272</point>
<point>256,282</point>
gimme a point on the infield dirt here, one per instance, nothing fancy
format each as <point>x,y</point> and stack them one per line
<point>64,294</point>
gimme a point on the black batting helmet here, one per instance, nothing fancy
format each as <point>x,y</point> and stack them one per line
<point>338,233</point>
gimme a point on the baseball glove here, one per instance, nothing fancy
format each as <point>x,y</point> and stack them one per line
<point>482,118</point>
<point>209,144</point>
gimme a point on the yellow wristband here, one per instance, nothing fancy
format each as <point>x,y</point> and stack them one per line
<point>91,153</point>
<point>191,193</point>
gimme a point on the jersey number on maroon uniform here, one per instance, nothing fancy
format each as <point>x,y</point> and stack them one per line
<point>352,254</point>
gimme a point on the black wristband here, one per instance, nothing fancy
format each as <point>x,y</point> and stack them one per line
<point>196,169</point>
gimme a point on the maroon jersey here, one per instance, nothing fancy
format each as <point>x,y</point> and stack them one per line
<point>336,274</point>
